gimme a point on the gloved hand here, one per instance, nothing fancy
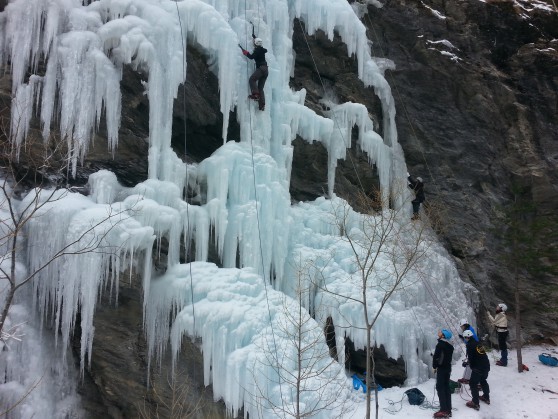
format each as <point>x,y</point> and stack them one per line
<point>464,364</point>
<point>245,52</point>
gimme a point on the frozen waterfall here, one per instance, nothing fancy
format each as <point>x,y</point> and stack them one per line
<point>276,257</point>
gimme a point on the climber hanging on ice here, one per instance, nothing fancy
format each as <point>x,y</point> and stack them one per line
<point>417,186</point>
<point>258,78</point>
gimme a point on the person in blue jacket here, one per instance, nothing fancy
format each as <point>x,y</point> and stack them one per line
<point>464,325</point>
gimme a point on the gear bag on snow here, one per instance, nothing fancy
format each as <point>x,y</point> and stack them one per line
<point>548,359</point>
<point>415,396</point>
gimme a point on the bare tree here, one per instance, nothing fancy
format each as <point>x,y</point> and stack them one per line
<point>13,223</point>
<point>29,189</point>
<point>386,246</point>
<point>529,239</point>
<point>311,380</point>
<point>174,401</point>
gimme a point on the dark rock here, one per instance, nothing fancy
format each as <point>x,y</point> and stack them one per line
<point>477,128</point>
<point>387,371</point>
<point>120,372</point>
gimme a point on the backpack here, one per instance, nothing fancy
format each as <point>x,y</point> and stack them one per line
<point>548,359</point>
<point>415,396</point>
<point>454,385</point>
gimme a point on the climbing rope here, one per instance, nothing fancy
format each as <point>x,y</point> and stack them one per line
<point>188,246</point>
<point>274,351</point>
<point>401,101</point>
<point>335,121</point>
<point>436,301</point>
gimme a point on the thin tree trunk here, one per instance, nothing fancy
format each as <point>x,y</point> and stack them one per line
<point>518,328</point>
<point>13,286</point>
<point>7,305</point>
<point>373,361</point>
<point>299,356</point>
<point>368,371</point>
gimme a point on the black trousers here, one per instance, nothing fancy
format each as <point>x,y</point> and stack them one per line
<point>479,376</point>
<point>443,388</point>
<point>257,83</point>
<point>416,206</point>
<point>502,337</point>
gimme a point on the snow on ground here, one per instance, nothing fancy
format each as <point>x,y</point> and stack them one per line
<point>530,395</point>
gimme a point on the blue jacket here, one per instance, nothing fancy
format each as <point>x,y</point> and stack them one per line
<point>474,334</point>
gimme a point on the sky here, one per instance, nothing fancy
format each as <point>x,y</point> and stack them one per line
<point>276,257</point>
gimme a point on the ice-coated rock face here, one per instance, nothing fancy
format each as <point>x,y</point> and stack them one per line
<point>428,147</point>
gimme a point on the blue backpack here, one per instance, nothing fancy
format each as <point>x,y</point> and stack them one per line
<point>549,360</point>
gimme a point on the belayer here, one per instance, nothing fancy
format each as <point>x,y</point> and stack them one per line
<point>500,322</point>
<point>441,362</point>
<point>258,78</point>
<point>464,325</point>
<point>480,367</point>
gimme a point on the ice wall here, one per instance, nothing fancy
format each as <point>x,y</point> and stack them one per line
<point>276,257</point>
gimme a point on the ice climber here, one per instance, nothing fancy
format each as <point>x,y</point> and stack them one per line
<point>480,366</point>
<point>418,187</point>
<point>258,78</point>
<point>464,325</point>
<point>500,322</point>
<point>441,362</point>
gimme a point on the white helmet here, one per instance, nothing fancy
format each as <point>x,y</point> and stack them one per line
<point>502,307</point>
<point>463,321</point>
<point>258,42</point>
<point>467,334</point>
<point>419,179</point>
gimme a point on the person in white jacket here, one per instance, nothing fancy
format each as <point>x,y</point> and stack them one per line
<point>500,322</point>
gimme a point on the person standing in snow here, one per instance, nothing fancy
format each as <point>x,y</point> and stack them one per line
<point>258,78</point>
<point>464,325</point>
<point>417,186</point>
<point>500,322</point>
<point>441,362</point>
<point>480,367</point>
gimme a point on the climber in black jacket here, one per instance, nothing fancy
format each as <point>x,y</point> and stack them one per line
<point>480,366</point>
<point>416,185</point>
<point>258,78</point>
<point>441,362</point>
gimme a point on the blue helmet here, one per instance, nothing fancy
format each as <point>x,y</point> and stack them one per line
<point>447,334</point>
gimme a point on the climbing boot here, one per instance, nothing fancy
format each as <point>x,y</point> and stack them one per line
<point>472,405</point>
<point>501,364</point>
<point>441,414</point>
<point>484,399</point>
<point>254,96</point>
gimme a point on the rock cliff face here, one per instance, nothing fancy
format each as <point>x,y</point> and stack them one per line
<point>476,90</point>
<point>480,125</point>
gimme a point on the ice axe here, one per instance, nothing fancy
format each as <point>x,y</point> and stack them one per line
<point>253,34</point>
